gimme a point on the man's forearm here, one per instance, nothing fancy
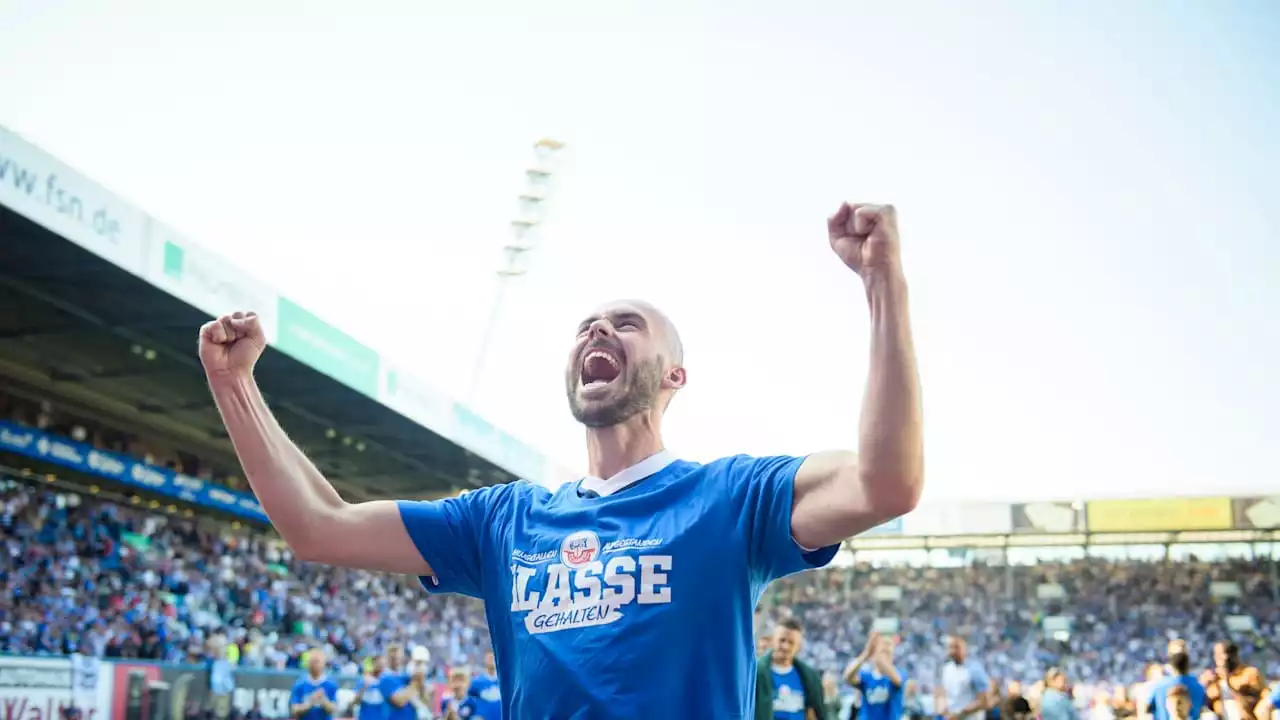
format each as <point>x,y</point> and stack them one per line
<point>891,442</point>
<point>979,703</point>
<point>292,491</point>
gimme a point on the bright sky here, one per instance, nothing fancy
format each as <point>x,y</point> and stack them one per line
<point>1090,204</point>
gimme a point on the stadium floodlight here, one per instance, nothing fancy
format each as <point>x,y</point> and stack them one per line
<point>531,211</point>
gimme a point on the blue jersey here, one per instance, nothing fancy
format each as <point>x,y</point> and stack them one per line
<point>466,708</point>
<point>487,695</point>
<point>1159,703</point>
<point>585,596</point>
<point>389,684</point>
<point>371,705</point>
<point>881,699</point>
<point>305,687</point>
<point>788,694</point>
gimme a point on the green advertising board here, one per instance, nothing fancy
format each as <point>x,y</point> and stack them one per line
<point>327,349</point>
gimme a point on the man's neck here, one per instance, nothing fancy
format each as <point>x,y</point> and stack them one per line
<point>610,450</point>
<point>784,664</point>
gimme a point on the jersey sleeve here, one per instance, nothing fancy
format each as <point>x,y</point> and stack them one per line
<point>387,686</point>
<point>450,535</point>
<point>295,696</point>
<point>979,679</point>
<point>1198,697</point>
<point>768,487</point>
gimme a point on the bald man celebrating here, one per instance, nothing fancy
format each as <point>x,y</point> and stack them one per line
<point>628,594</point>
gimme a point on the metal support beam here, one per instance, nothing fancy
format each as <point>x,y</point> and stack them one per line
<point>22,333</point>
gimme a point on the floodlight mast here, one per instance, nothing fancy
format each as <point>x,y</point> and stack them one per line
<point>531,210</point>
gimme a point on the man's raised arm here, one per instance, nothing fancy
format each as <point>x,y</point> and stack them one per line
<point>840,494</point>
<point>304,508</point>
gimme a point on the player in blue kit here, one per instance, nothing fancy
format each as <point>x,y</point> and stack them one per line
<point>368,694</point>
<point>1178,689</point>
<point>486,692</point>
<point>315,695</point>
<point>460,706</point>
<point>880,682</point>
<point>405,693</point>
<point>628,594</point>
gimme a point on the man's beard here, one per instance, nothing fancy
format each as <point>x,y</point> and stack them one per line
<point>638,396</point>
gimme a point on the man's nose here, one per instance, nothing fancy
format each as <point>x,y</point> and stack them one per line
<point>601,328</point>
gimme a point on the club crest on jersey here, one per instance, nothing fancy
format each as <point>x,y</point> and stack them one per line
<point>579,549</point>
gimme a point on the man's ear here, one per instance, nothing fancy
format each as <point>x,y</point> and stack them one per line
<point>675,379</point>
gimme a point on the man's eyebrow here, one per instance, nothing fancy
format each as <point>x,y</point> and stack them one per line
<point>616,317</point>
<point>627,315</point>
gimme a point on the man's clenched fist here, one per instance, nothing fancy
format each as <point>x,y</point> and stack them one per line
<point>865,236</point>
<point>231,344</point>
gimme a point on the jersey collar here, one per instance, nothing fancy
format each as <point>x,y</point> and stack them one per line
<point>651,465</point>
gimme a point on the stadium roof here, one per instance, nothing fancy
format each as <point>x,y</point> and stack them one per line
<point>76,328</point>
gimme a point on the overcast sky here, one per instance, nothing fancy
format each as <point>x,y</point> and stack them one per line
<point>1089,202</point>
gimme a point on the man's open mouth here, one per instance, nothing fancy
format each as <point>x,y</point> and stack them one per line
<point>599,368</point>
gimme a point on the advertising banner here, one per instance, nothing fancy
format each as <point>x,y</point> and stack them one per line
<point>205,280</point>
<point>416,400</point>
<point>1173,514</point>
<point>480,437</point>
<point>893,527</point>
<point>324,347</point>
<point>1048,517</point>
<point>123,469</point>
<point>34,688</point>
<point>45,191</point>
<point>1256,513</point>
<point>267,690</point>
<point>936,520</point>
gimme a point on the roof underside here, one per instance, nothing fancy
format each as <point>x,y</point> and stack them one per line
<point>77,330</point>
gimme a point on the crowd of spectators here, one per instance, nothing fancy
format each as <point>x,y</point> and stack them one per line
<point>81,574</point>
<point>1124,614</point>
<point>43,414</point>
